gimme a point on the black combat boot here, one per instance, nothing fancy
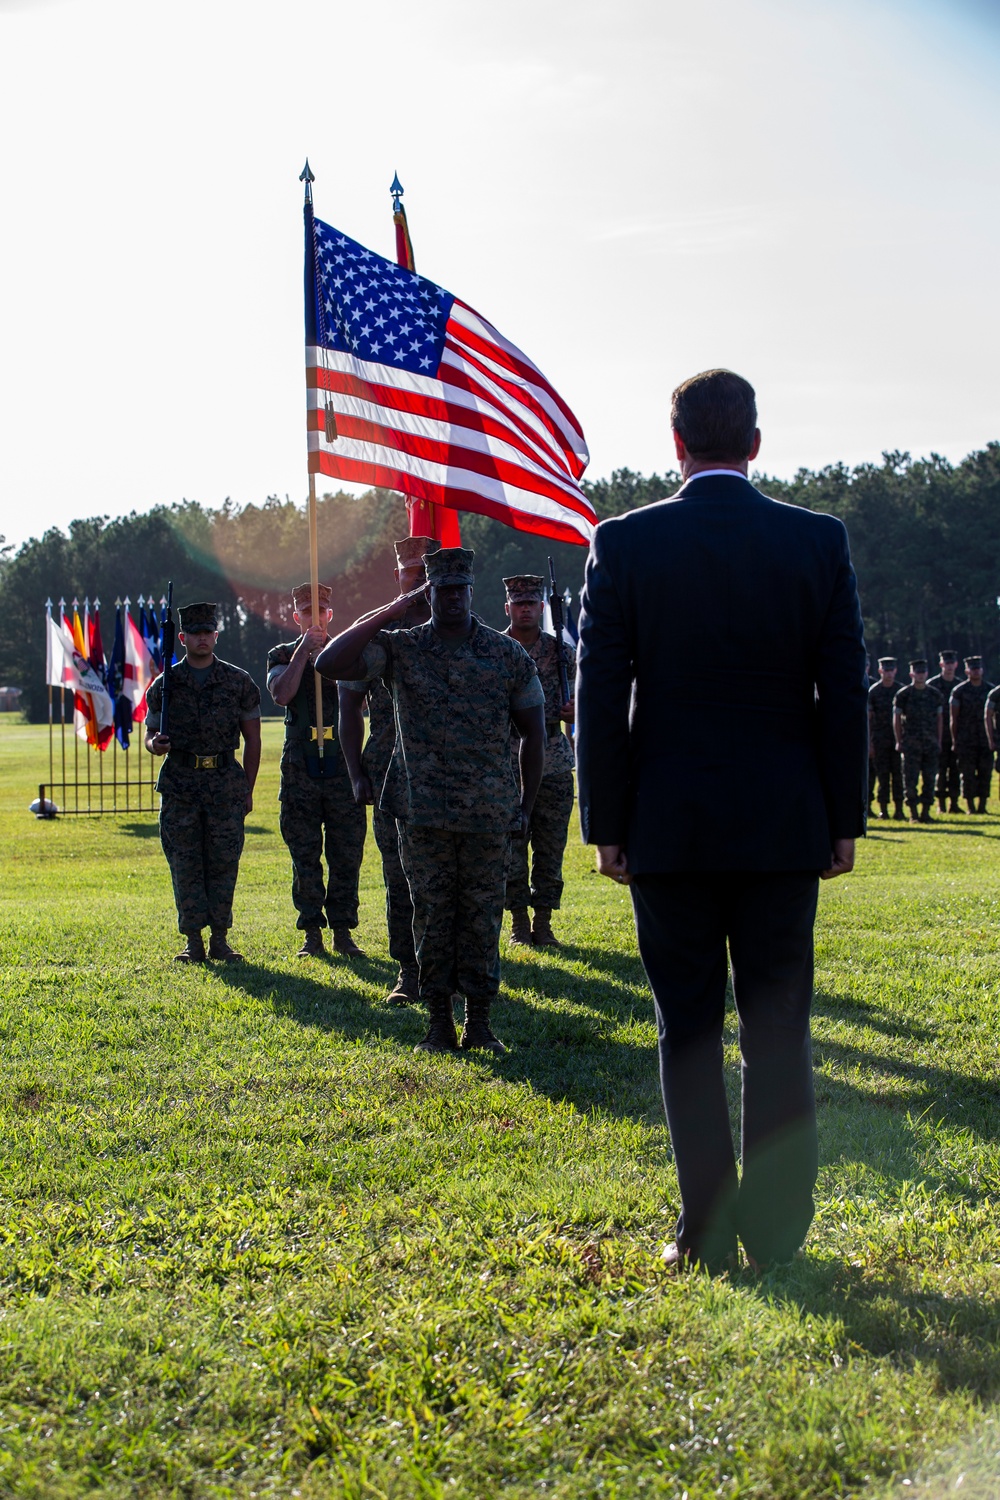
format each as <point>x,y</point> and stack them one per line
<point>982,804</point>
<point>912,816</point>
<point>194,952</point>
<point>345,944</point>
<point>883,811</point>
<point>441,1035</point>
<point>520,926</point>
<point>956,806</point>
<point>312,944</point>
<point>476,1033</point>
<point>541,929</point>
<point>900,815</point>
<point>218,947</point>
<point>407,987</point>
<point>942,805</point>
<point>925,813</point>
<point>970,804</point>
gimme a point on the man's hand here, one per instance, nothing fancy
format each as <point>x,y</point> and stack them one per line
<point>364,792</point>
<point>522,831</point>
<point>397,609</point>
<point>567,712</point>
<point>248,806</point>
<point>313,639</point>
<point>843,860</point>
<point>613,862</point>
<point>158,744</point>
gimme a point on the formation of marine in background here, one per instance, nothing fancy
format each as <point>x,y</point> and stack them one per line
<point>934,737</point>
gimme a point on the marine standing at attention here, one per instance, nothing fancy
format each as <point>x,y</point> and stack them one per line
<point>316,797</point>
<point>367,769</point>
<point>884,757</point>
<point>947,783</point>
<point>456,685</point>
<point>205,794</point>
<point>968,732</point>
<point>917,715</point>
<point>554,803</point>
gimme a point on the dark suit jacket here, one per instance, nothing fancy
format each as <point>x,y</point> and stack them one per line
<point>761,760</point>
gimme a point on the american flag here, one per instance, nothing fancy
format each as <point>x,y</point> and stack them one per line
<point>412,390</point>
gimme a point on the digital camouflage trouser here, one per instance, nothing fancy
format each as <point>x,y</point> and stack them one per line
<point>920,762</point>
<point>398,906</point>
<point>201,829</point>
<point>456,884</point>
<point>888,773</point>
<point>313,811</point>
<point>948,781</point>
<point>547,836</point>
<point>975,766</point>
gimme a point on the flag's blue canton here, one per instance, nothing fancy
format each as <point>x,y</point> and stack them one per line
<point>377,310</point>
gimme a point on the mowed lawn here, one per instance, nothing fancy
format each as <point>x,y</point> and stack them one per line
<point>253,1245</point>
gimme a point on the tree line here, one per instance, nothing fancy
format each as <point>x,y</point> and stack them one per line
<point>925,538</point>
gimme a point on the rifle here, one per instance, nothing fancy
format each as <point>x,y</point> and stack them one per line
<point>558,622</point>
<point>167,652</point>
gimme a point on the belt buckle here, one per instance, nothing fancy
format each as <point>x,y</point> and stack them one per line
<point>206,762</point>
<point>327,733</point>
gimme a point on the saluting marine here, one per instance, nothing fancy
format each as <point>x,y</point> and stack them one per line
<point>917,714</point>
<point>317,800</point>
<point>456,685</point>
<point>948,782</point>
<point>968,731</point>
<point>884,757</point>
<point>205,794</point>
<point>550,816</point>
<point>367,769</point>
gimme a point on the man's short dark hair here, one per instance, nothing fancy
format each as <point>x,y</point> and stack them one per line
<point>715,415</point>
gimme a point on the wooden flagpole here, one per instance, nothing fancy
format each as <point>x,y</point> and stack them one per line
<point>308,177</point>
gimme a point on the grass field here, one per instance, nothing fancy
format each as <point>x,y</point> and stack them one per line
<point>252,1245</point>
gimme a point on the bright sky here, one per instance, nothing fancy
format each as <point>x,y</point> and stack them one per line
<point>632,190</point>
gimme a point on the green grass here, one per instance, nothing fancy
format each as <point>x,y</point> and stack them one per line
<point>252,1245</point>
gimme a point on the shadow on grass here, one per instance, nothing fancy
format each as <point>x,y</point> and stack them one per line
<point>141,830</point>
<point>889,1318</point>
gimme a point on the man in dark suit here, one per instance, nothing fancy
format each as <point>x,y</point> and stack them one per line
<point>764,595</point>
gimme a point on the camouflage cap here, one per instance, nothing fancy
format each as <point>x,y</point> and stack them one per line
<point>525,586</point>
<point>412,549</point>
<point>974,663</point>
<point>948,656</point>
<point>918,664</point>
<point>302,596</point>
<point>887,663</point>
<point>198,616</point>
<point>450,565</point>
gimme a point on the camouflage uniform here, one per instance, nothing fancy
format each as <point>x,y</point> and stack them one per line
<point>993,703</point>
<point>554,803</point>
<point>887,760</point>
<point>202,811</point>
<point>972,748</point>
<point>947,779</point>
<point>921,711</point>
<point>451,786</point>
<point>312,807</point>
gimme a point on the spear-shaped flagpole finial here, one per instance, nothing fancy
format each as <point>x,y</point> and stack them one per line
<point>118,602</point>
<point>308,176</point>
<point>97,603</point>
<point>397,191</point>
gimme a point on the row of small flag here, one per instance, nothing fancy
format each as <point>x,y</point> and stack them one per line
<point>109,692</point>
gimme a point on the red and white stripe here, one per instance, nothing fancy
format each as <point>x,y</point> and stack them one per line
<point>486,433</point>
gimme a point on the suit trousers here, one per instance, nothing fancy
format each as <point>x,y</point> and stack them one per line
<point>684,922</point>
